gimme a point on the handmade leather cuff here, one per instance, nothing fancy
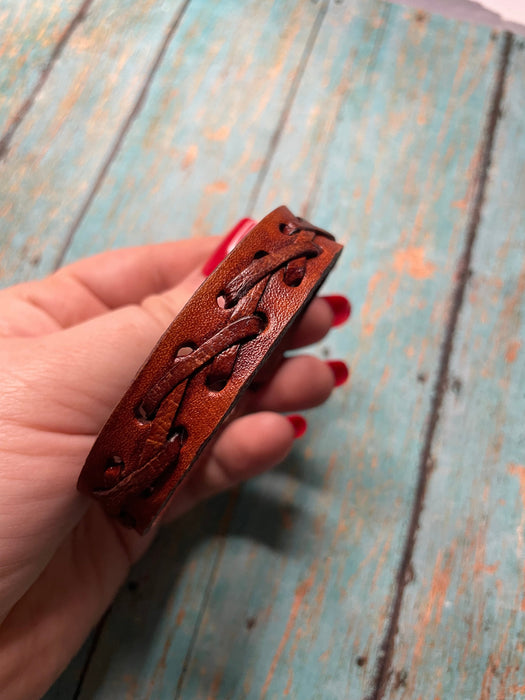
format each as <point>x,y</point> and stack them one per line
<point>202,364</point>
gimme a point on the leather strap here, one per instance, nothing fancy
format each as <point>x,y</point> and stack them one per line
<point>202,364</point>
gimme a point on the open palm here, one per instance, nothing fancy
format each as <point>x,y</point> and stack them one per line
<point>69,347</point>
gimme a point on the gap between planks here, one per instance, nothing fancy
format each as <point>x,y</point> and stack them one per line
<point>91,651</point>
<point>425,463</point>
<point>288,103</point>
<point>274,141</point>
<point>405,572</point>
<point>78,18</point>
<point>311,199</point>
<point>113,152</point>
<point>272,147</point>
<point>121,135</point>
<point>222,531</point>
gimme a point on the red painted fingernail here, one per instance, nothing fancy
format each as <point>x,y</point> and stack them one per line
<point>299,425</point>
<point>340,371</point>
<point>227,244</point>
<point>341,308</point>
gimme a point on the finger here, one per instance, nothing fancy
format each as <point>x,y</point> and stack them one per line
<point>299,383</point>
<point>322,314</point>
<point>102,356</point>
<point>78,376</point>
<point>248,446</point>
<point>165,306</point>
<point>127,276</point>
<point>125,337</point>
<point>95,285</point>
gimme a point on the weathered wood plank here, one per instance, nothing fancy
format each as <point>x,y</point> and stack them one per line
<point>61,144</point>
<point>140,641</point>
<point>190,162</point>
<point>383,147</point>
<point>202,59</point>
<point>380,146</point>
<point>30,34</point>
<point>381,141</point>
<point>462,626</point>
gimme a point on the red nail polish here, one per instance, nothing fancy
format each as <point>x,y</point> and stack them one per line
<point>341,308</point>
<point>340,371</point>
<point>299,425</point>
<point>227,244</point>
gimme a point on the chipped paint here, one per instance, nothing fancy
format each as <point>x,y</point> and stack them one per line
<point>411,261</point>
<point>300,593</point>
<point>512,350</point>
<point>217,187</point>
<point>235,619</point>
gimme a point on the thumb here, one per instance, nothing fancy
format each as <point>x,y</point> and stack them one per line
<point>61,388</point>
<point>103,355</point>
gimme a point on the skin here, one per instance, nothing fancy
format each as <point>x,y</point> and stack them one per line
<point>69,347</point>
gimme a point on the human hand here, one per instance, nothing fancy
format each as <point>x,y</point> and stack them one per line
<point>69,347</point>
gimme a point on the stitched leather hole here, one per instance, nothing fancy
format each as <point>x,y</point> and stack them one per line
<point>264,320</point>
<point>287,228</point>
<point>141,415</point>
<point>260,254</point>
<point>127,519</point>
<point>185,350</point>
<point>221,302</point>
<point>216,382</point>
<point>113,470</point>
<point>177,431</point>
<point>294,283</point>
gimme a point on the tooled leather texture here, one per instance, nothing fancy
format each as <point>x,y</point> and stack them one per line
<point>202,364</point>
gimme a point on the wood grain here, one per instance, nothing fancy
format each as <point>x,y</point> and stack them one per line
<point>31,39</point>
<point>190,160</point>
<point>388,157</point>
<point>60,147</point>
<point>462,626</point>
<point>384,151</point>
<point>167,119</point>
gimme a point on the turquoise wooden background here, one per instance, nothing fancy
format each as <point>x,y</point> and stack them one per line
<point>385,558</point>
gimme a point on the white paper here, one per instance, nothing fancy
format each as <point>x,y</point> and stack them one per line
<point>500,14</point>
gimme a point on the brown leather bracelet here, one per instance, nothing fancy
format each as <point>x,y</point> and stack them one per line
<point>202,364</point>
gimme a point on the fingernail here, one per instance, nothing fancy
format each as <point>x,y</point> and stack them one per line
<point>299,425</point>
<point>340,371</point>
<point>227,244</point>
<point>341,308</point>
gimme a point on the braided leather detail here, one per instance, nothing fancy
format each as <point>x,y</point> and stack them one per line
<point>183,367</point>
<point>300,246</point>
<point>228,328</point>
